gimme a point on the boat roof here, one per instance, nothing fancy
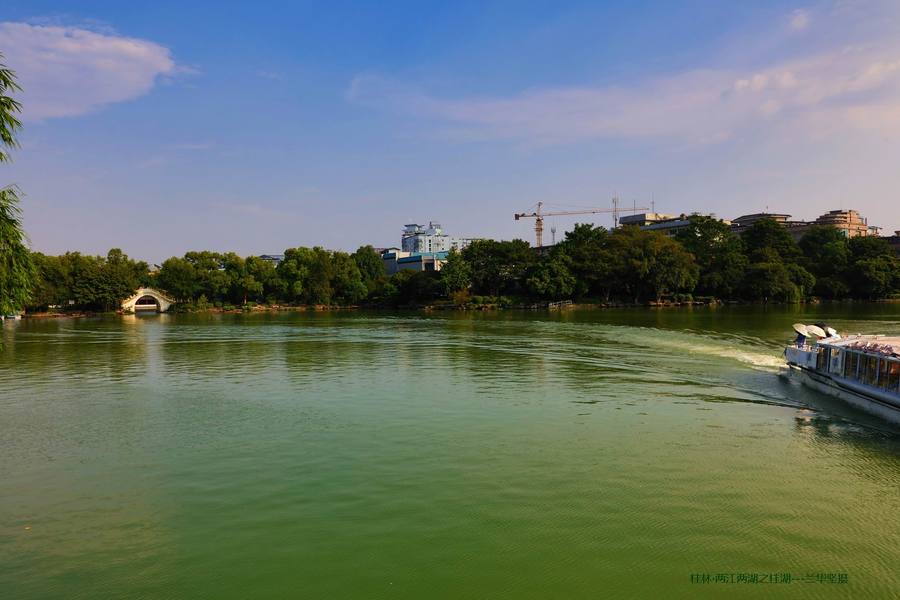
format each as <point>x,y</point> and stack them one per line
<point>875,344</point>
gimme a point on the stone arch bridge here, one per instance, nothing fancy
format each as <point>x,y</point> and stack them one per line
<point>147,299</point>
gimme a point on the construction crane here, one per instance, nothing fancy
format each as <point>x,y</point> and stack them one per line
<point>539,215</point>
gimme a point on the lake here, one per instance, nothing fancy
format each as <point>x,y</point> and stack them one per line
<point>621,453</point>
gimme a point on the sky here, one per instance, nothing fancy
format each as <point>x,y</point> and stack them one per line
<point>252,127</point>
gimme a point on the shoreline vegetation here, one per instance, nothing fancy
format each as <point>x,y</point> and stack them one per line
<point>704,264</point>
<point>438,307</point>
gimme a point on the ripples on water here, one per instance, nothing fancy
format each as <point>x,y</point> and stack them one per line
<point>607,453</point>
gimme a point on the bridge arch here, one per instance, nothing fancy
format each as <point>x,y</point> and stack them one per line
<point>147,299</point>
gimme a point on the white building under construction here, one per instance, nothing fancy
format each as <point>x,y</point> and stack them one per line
<point>419,239</point>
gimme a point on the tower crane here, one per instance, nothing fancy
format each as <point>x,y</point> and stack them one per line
<point>539,215</point>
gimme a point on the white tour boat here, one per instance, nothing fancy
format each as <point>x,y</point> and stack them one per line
<point>863,370</point>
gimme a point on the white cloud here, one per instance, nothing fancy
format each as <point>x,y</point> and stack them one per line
<point>845,86</point>
<point>694,106</point>
<point>799,20</point>
<point>70,71</point>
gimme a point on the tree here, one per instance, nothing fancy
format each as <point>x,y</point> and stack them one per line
<point>870,246</point>
<point>826,254</point>
<point>292,273</point>
<point>369,263</point>
<point>874,268</point>
<point>120,277</point>
<point>646,265</point>
<point>49,283</point>
<point>263,271</point>
<point>551,279</point>
<point>770,281</point>
<point>770,278</point>
<point>16,269</point>
<point>719,255</point>
<point>178,276</point>
<point>241,282</point>
<point>456,274</point>
<point>671,268</point>
<point>802,279</point>
<point>767,234</point>
<point>415,287</point>
<point>318,282</point>
<point>775,272</point>
<point>875,278</point>
<point>317,276</point>
<point>499,267</point>
<point>587,250</point>
<point>209,270</point>
<point>347,281</point>
<point>9,108</point>
<point>84,272</point>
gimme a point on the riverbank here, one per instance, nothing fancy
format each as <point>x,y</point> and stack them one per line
<point>211,309</point>
<point>497,304</point>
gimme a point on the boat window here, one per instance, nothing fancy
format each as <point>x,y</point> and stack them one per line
<point>821,359</point>
<point>871,369</point>
<point>861,369</point>
<point>850,365</point>
<point>893,378</point>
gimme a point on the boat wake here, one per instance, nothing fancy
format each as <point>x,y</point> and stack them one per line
<point>747,350</point>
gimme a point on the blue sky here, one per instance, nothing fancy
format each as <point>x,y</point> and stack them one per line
<point>164,127</point>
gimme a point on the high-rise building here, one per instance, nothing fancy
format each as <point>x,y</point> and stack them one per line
<point>419,239</point>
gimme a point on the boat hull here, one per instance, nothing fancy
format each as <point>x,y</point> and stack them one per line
<point>852,394</point>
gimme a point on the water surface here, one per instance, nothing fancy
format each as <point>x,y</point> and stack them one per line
<point>579,454</point>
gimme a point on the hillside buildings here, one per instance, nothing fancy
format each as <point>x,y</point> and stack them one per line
<point>397,260</point>
<point>275,259</point>
<point>847,221</point>
<point>422,248</point>
<point>654,221</point>
<point>850,222</point>
<point>419,238</point>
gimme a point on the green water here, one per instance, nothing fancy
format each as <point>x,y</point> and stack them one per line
<point>583,454</point>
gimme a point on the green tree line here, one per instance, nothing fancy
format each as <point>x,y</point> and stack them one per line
<point>306,276</point>
<point>704,259</point>
<point>82,282</point>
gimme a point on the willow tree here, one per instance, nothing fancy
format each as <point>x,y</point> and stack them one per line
<point>16,270</point>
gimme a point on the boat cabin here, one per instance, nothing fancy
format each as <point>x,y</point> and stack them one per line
<point>869,360</point>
